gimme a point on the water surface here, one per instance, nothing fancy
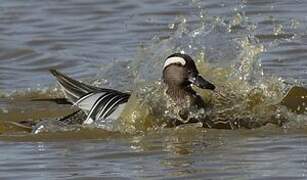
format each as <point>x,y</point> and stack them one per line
<point>121,44</point>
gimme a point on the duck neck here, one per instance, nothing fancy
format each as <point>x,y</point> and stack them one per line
<point>179,93</point>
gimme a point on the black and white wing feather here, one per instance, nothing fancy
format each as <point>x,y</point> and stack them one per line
<point>101,105</point>
<point>97,103</point>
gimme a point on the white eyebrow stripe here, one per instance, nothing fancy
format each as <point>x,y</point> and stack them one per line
<point>174,60</point>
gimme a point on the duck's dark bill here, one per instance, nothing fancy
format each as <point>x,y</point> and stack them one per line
<point>201,82</point>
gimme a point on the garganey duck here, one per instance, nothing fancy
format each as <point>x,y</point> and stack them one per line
<point>98,104</point>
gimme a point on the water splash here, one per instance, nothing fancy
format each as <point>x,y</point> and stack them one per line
<point>233,62</point>
<point>250,98</point>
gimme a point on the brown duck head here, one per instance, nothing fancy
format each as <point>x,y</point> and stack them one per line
<point>179,73</point>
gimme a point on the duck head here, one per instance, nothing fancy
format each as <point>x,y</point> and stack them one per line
<point>179,73</point>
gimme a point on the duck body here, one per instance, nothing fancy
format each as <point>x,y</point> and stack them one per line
<point>98,104</point>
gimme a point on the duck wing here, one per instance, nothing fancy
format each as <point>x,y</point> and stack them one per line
<point>97,103</point>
